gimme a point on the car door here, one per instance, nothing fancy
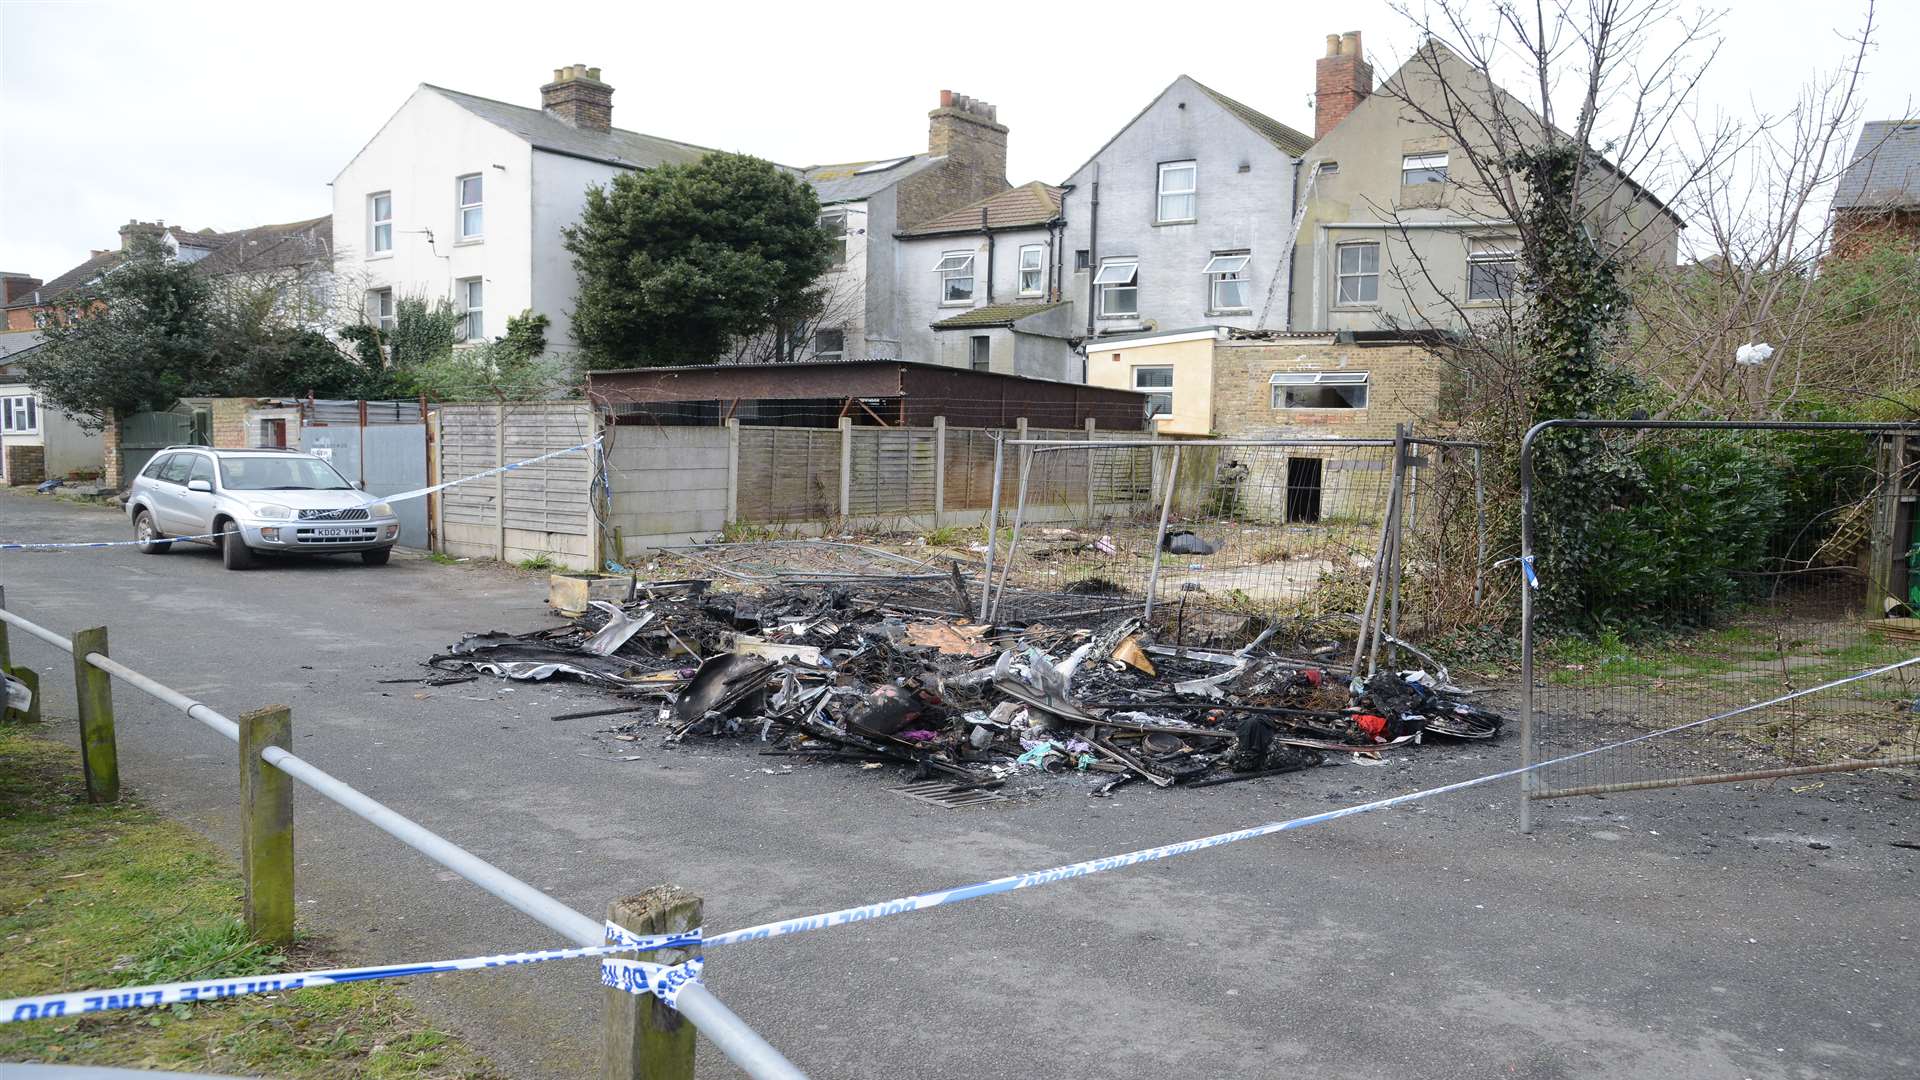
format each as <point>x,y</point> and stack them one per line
<point>196,507</point>
<point>168,487</point>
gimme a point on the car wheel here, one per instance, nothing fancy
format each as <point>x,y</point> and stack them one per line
<point>376,557</point>
<point>148,534</point>
<point>233,548</point>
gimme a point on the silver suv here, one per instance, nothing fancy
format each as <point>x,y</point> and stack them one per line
<point>261,500</point>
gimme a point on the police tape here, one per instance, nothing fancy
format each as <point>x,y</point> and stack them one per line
<point>418,493</point>
<point>668,982</point>
<point>619,940</point>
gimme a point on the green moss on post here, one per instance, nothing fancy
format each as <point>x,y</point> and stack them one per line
<point>266,820</point>
<point>93,691</point>
<point>645,1038</point>
<point>32,681</point>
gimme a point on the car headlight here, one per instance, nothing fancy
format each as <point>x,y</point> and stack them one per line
<point>272,512</point>
<point>380,509</point>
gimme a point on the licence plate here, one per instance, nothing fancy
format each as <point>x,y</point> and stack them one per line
<point>335,532</point>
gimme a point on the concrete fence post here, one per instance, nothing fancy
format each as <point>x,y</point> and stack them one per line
<point>733,469</point>
<point>500,482</point>
<point>939,471</point>
<point>266,826</point>
<point>644,1037</point>
<point>93,691</point>
<point>846,467</point>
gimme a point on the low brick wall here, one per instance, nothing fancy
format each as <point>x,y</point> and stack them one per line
<point>26,464</point>
<point>1405,384</point>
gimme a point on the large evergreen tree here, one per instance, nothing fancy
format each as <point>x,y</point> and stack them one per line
<point>679,261</point>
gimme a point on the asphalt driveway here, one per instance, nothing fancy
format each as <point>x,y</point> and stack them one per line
<point>1687,934</point>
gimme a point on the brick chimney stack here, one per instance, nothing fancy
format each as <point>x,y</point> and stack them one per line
<point>135,227</point>
<point>577,97</point>
<point>17,286</point>
<point>1342,79</point>
<point>967,133</point>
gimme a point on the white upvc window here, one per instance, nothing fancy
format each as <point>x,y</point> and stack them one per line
<point>1492,266</point>
<point>1358,273</point>
<point>473,309</point>
<point>1179,187</point>
<point>1423,169</point>
<point>380,221</point>
<point>1033,264</point>
<point>830,344</point>
<point>380,309</point>
<point>1157,383</point>
<point>1319,389</point>
<point>1226,275</point>
<point>956,277</point>
<point>20,414</point>
<point>835,223</point>
<point>1118,284</point>
<point>472,221</point>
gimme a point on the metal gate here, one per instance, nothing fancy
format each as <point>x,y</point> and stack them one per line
<point>381,445</point>
<point>1728,569</point>
<point>142,434</point>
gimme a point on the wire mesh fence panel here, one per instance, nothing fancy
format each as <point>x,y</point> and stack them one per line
<point>1692,573</point>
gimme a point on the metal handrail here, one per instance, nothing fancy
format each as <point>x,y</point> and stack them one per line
<point>719,1024</point>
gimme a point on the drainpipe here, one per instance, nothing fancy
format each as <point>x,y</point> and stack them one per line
<point>1093,246</point>
<point>989,232</point>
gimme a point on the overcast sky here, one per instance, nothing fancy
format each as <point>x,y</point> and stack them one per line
<point>233,115</point>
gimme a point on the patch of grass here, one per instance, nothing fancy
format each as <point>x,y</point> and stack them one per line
<point>102,896</point>
<point>1272,552</point>
<point>746,532</point>
<point>943,536</point>
<point>442,558</point>
<point>539,564</point>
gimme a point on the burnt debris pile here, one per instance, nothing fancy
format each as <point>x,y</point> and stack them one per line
<point>893,669</point>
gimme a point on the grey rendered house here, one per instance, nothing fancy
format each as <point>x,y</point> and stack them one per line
<point>979,287</point>
<point>1184,218</point>
<point>864,203</point>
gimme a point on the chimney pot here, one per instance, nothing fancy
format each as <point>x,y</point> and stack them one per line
<point>1341,81</point>
<point>1350,43</point>
<point>578,98</point>
<point>1333,44</point>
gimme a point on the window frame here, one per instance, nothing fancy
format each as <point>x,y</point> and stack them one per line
<point>1105,289</point>
<point>1191,193</point>
<point>468,309</point>
<point>462,208</point>
<point>1038,270</point>
<point>1222,268</point>
<point>12,405</point>
<point>980,352</point>
<point>838,214</point>
<point>1422,165</point>
<point>375,223</point>
<point>1280,381</point>
<point>1340,274</point>
<point>830,354</point>
<point>1161,395</point>
<point>186,469</point>
<point>1478,256</point>
<point>385,315</point>
<point>960,270</point>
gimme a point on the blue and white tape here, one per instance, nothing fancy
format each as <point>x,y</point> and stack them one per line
<point>418,493</point>
<point>668,982</point>
<point>1532,575</point>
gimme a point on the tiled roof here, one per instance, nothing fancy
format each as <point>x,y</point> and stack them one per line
<point>545,132</point>
<point>994,315</point>
<point>272,247</point>
<point>853,180</point>
<point>1021,207</point>
<point>72,279</point>
<point>1885,171</point>
<point>1293,142</point>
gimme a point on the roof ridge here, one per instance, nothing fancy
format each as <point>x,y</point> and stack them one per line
<point>542,112</point>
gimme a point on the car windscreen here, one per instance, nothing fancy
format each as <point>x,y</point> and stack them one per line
<point>279,474</point>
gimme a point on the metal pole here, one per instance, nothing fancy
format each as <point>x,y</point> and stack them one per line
<point>1480,530</point>
<point>1526,629</point>
<point>993,524</point>
<point>1013,541</point>
<point>1411,477</point>
<point>1160,536</point>
<point>1390,555</point>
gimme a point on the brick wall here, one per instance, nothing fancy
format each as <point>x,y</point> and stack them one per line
<point>1405,383</point>
<point>26,464</point>
<point>230,422</point>
<point>111,459</point>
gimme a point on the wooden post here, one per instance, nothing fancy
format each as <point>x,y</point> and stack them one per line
<point>93,691</point>
<point>1890,459</point>
<point>939,471</point>
<point>846,467</point>
<point>266,826</point>
<point>644,1038</point>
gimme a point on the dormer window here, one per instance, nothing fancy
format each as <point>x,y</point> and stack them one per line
<point>1416,169</point>
<point>1179,187</point>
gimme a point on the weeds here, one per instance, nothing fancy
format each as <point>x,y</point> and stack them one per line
<point>541,563</point>
<point>442,558</point>
<point>746,532</point>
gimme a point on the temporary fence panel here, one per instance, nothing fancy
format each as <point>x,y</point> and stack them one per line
<point>1726,564</point>
<point>384,460</point>
<point>547,506</point>
<point>789,474</point>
